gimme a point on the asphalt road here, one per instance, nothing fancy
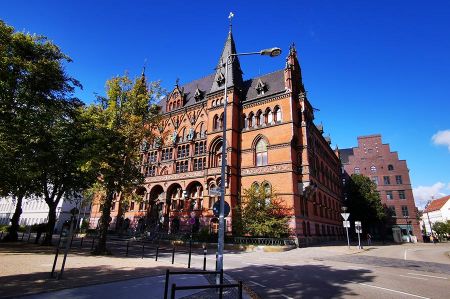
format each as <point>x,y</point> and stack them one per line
<point>331,272</point>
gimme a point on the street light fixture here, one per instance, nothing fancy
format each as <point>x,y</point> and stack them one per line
<point>272,52</point>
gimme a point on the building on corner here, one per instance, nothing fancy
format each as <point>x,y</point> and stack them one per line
<point>272,142</point>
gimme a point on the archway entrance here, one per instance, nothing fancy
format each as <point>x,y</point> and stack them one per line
<point>155,208</point>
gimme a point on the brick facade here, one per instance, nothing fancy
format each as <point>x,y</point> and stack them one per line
<point>271,141</point>
<point>374,159</point>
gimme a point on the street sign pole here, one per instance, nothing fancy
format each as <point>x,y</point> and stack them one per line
<point>345,216</point>
<point>358,229</point>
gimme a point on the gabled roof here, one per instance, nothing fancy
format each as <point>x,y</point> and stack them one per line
<point>437,204</point>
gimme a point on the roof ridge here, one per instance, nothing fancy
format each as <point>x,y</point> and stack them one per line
<point>264,75</point>
<point>201,78</point>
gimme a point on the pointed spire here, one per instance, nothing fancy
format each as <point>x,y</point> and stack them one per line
<point>234,68</point>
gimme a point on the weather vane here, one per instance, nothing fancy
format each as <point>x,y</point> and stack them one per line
<point>230,16</point>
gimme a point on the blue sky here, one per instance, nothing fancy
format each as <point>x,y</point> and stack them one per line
<point>369,66</point>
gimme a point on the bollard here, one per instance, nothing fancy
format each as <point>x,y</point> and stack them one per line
<point>56,257</point>
<point>23,234</point>
<point>92,245</point>
<point>240,289</point>
<point>157,251</point>
<point>1,236</point>
<point>81,242</point>
<point>217,260</point>
<point>29,236</point>
<point>221,284</point>
<point>166,284</point>
<point>71,240</point>
<point>173,254</point>
<point>143,248</point>
<point>204,258</point>
<point>128,245</point>
<point>172,292</point>
<point>190,252</point>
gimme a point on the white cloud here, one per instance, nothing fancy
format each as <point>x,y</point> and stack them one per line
<point>423,194</point>
<point>442,138</point>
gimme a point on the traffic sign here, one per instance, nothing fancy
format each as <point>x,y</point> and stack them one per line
<point>346,223</point>
<point>358,227</point>
<point>216,209</point>
<point>215,192</point>
<point>345,215</point>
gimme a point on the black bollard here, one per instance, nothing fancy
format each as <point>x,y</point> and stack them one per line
<point>29,236</point>
<point>1,236</point>
<point>128,245</point>
<point>157,251</point>
<point>190,252</point>
<point>204,258</point>
<point>143,248</point>
<point>217,260</point>
<point>92,245</point>
<point>71,240</point>
<point>173,254</point>
<point>23,234</point>
<point>166,284</point>
<point>56,256</point>
<point>240,289</point>
<point>172,291</point>
<point>81,242</point>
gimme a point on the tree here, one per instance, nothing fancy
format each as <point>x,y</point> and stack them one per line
<point>262,214</point>
<point>442,228</point>
<point>119,123</point>
<point>33,86</point>
<point>364,202</point>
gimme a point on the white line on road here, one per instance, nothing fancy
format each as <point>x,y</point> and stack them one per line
<point>258,284</point>
<point>428,275</point>
<point>287,297</point>
<point>405,254</point>
<point>391,290</point>
<point>412,277</point>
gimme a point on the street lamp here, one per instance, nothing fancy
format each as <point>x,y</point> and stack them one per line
<point>272,52</point>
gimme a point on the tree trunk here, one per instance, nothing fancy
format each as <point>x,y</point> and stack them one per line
<point>105,219</point>
<point>13,229</point>
<point>50,225</point>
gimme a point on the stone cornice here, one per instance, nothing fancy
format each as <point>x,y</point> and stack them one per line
<point>277,168</point>
<point>259,101</point>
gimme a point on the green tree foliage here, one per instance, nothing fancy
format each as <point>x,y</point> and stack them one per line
<point>364,202</point>
<point>36,117</point>
<point>442,228</point>
<point>119,123</point>
<point>262,214</point>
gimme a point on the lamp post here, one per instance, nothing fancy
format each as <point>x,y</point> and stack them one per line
<point>272,52</point>
<point>344,209</point>
<point>429,222</point>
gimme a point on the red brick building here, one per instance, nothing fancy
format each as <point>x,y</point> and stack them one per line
<point>374,159</point>
<point>272,142</point>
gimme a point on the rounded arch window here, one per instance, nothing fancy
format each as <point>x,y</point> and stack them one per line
<point>373,168</point>
<point>390,167</point>
<point>261,152</point>
<point>277,114</point>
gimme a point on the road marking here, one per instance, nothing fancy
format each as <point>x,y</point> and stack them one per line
<point>391,290</point>
<point>405,254</point>
<point>429,276</point>
<point>287,297</point>
<point>412,277</point>
<point>258,284</point>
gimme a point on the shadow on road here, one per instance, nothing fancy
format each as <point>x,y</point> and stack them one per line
<point>307,281</point>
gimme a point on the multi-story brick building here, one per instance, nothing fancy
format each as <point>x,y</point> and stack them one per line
<point>272,142</point>
<point>374,159</point>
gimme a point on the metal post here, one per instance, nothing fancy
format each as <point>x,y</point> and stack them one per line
<point>81,242</point>
<point>217,262</point>
<point>221,284</point>
<point>29,236</point>
<point>204,258</point>
<point>143,249</point>
<point>431,229</point>
<point>71,240</point>
<point>128,245</point>
<point>173,254</point>
<point>56,256</point>
<point>23,234</point>
<point>157,251</point>
<point>190,252</point>
<point>240,289</point>
<point>92,245</point>
<point>66,251</point>
<point>348,239</point>
<point>172,292</point>
<point>1,236</point>
<point>221,235</point>
<point>359,241</point>
<point>166,284</point>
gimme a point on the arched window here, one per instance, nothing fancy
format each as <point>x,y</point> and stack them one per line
<point>390,167</point>
<point>253,120</point>
<point>356,170</point>
<point>269,117</point>
<point>170,106</point>
<point>250,120</point>
<point>277,114</point>
<point>261,153</point>
<point>216,122</point>
<point>255,186</point>
<point>259,118</point>
<point>221,121</point>
<point>244,122</point>
<point>373,169</point>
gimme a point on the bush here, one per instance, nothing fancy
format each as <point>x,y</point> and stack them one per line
<point>38,227</point>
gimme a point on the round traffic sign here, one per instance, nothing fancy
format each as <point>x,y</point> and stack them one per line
<point>216,209</point>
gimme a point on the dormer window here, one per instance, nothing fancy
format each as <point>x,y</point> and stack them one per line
<point>198,95</point>
<point>261,87</point>
<point>220,79</point>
